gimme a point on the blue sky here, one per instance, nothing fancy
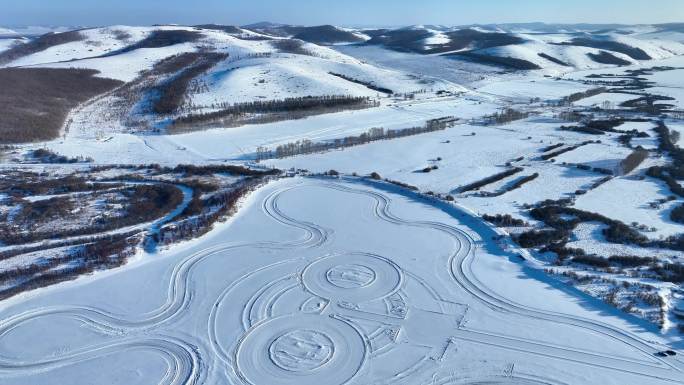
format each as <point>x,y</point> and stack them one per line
<point>341,12</point>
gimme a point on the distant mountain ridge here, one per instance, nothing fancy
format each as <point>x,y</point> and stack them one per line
<point>511,46</point>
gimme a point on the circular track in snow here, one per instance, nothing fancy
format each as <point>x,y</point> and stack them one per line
<point>352,277</point>
<point>300,349</point>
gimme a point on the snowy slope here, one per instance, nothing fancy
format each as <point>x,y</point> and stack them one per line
<point>237,79</point>
<point>6,44</point>
<point>526,44</point>
<point>95,42</point>
<point>6,32</point>
<point>285,75</point>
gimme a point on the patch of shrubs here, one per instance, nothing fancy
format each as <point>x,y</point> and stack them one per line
<point>105,253</point>
<point>505,220</point>
<point>429,169</point>
<point>144,203</point>
<point>46,156</point>
<point>363,83</point>
<point>677,214</point>
<point>616,232</point>
<point>149,202</point>
<point>535,238</point>
<point>44,210</point>
<point>209,210</point>
<point>669,272</point>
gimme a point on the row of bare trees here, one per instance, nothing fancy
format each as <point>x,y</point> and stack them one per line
<point>377,133</point>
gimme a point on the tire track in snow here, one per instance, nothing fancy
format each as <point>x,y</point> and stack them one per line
<point>185,364</point>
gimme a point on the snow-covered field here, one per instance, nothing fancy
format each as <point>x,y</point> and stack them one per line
<point>320,281</point>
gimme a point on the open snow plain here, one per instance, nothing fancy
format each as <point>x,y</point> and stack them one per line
<point>392,273</point>
<point>328,281</point>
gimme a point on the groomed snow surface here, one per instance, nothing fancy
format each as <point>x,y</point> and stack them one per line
<point>327,282</point>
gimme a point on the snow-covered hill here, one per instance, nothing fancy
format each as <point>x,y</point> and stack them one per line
<point>522,47</point>
<point>305,65</point>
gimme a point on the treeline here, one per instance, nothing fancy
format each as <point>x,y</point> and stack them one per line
<point>521,182</point>
<point>35,101</point>
<point>577,96</point>
<point>553,59</point>
<point>292,46</point>
<point>619,261</point>
<point>513,186</point>
<point>288,108</point>
<point>604,57</point>
<point>506,116</point>
<point>193,170</point>
<point>162,38</point>
<point>187,170</point>
<point>173,92</point>
<point>490,179</point>
<point>498,61</point>
<point>668,272</point>
<point>374,134</point>
<point>562,151</point>
<point>363,83</point>
<point>632,161</point>
<point>39,44</point>
<point>552,147</point>
<point>505,220</point>
<point>596,127</point>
